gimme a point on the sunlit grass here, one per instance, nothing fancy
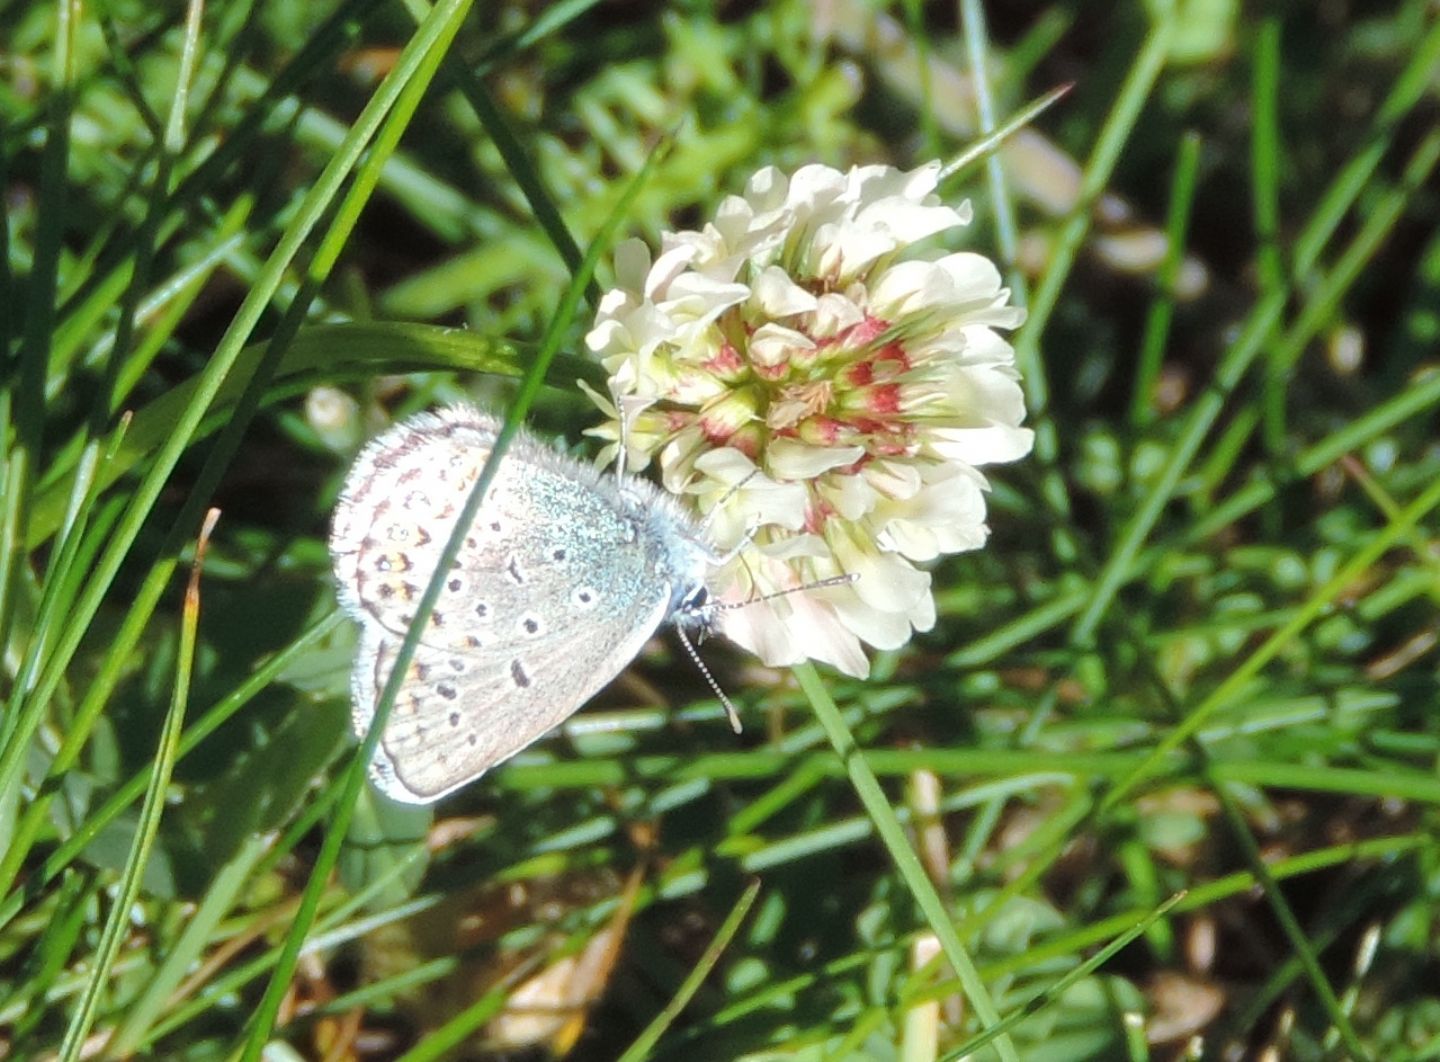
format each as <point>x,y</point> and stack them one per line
<point>1165,768</point>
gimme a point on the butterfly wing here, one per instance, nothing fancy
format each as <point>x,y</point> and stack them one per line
<point>443,733</point>
<point>555,590</point>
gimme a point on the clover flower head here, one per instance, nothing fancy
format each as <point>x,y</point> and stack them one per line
<point>810,378</point>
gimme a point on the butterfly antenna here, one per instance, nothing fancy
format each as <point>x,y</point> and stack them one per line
<point>715,686</point>
<point>818,584</point>
<point>733,490</point>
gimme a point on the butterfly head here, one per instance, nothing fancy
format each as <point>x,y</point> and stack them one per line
<point>694,612</point>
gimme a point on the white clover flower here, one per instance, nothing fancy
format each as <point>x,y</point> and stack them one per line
<point>800,376</point>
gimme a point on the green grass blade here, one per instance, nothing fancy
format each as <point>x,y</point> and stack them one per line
<point>1082,971</point>
<point>161,991</point>
<point>977,47</point>
<point>530,181</point>
<point>1409,89</point>
<point>118,924</point>
<point>26,374</point>
<point>877,806</point>
<point>1139,83</point>
<point>645,1043</point>
<point>1162,310</point>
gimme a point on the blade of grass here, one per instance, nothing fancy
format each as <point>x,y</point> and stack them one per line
<point>1162,308</point>
<point>1139,82</point>
<point>475,1016</point>
<point>1420,397</point>
<point>168,302</point>
<point>210,992</point>
<point>1265,198</point>
<point>55,595</point>
<point>1304,950</point>
<point>1038,1003</point>
<point>459,1030</point>
<point>85,492</point>
<point>1420,164</point>
<point>543,23</point>
<point>274,107</point>
<point>118,923</point>
<point>1322,306</point>
<point>1356,910</point>
<point>1242,835</point>
<point>172,144</point>
<point>188,950</point>
<point>867,787</point>
<point>517,161</point>
<point>27,413</point>
<point>925,106</point>
<point>7,285</point>
<point>1409,89</point>
<point>75,344</point>
<point>984,148</point>
<point>430,44</point>
<point>1098,932</point>
<point>644,1044</point>
<point>384,991</point>
<point>1322,303</point>
<point>41,972</point>
<point>1413,401</point>
<point>977,47</point>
